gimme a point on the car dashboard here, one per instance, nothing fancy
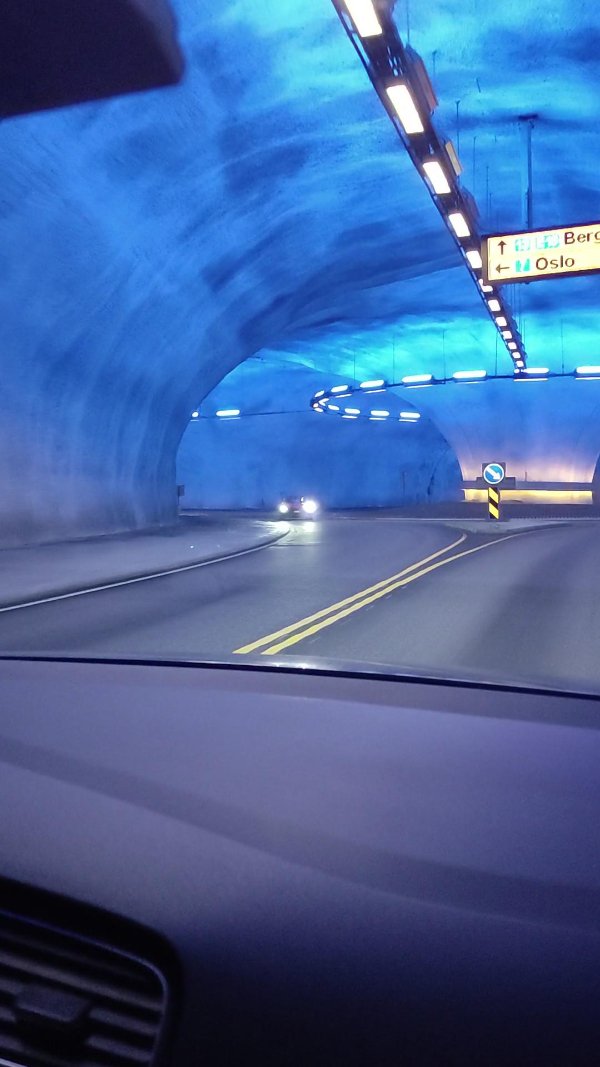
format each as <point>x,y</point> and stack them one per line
<point>294,866</point>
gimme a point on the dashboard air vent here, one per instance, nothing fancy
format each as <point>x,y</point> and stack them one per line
<point>68,1002</point>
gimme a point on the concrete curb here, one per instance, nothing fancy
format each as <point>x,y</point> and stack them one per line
<point>61,592</point>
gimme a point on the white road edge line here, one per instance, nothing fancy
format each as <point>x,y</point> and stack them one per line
<point>142,577</point>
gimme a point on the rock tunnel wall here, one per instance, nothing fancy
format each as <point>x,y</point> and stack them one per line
<point>148,244</point>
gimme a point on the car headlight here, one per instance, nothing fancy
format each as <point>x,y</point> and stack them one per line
<point>310,507</point>
<point>283,508</point>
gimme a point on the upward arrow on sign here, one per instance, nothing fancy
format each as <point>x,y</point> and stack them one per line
<point>502,246</point>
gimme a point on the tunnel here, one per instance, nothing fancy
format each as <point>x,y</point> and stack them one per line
<point>151,243</point>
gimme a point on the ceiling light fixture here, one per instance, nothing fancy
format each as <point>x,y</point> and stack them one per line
<point>416,379</point>
<point>437,179</point>
<point>474,258</point>
<point>459,224</point>
<point>364,17</point>
<point>405,108</point>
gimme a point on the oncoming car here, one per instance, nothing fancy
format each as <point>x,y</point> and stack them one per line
<point>304,507</point>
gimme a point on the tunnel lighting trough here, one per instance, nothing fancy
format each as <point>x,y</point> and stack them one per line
<point>494,305</point>
<point>507,335</point>
<point>195,414</point>
<point>459,224</point>
<point>519,373</point>
<point>405,108</point>
<point>437,179</point>
<point>512,345</point>
<point>340,389</point>
<point>501,321</point>
<point>228,413</point>
<point>402,73</point>
<point>364,17</point>
<point>474,258</point>
<point>321,392</point>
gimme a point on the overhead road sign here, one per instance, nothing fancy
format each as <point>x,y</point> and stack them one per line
<point>536,254</point>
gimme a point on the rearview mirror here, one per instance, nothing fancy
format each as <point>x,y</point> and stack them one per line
<point>58,52</point>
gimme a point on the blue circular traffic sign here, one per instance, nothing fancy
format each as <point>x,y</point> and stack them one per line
<point>494,473</point>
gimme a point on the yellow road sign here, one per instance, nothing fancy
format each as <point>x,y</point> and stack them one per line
<point>535,254</point>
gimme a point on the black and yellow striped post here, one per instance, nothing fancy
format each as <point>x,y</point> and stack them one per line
<point>493,503</point>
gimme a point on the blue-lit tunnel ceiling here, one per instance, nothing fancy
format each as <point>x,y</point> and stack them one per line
<point>151,243</point>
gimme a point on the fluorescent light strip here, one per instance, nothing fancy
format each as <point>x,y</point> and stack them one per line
<point>474,258</point>
<point>459,224</point>
<point>372,385</point>
<point>380,414</point>
<point>437,178</point>
<point>340,389</point>
<point>465,375</point>
<point>410,416</point>
<point>538,370</point>
<point>501,321</point>
<point>405,108</point>
<point>228,413</point>
<point>364,17</point>
<point>352,411</point>
<point>416,379</point>
<point>587,370</point>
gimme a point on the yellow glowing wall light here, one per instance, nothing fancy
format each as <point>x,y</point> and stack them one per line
<point>533,496</point>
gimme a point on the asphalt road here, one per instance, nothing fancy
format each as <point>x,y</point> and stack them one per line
<point>423,596</point>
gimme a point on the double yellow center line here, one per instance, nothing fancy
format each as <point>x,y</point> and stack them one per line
<point>298,631</point>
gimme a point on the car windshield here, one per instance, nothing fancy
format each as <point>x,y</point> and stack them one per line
<point>300,358</point>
